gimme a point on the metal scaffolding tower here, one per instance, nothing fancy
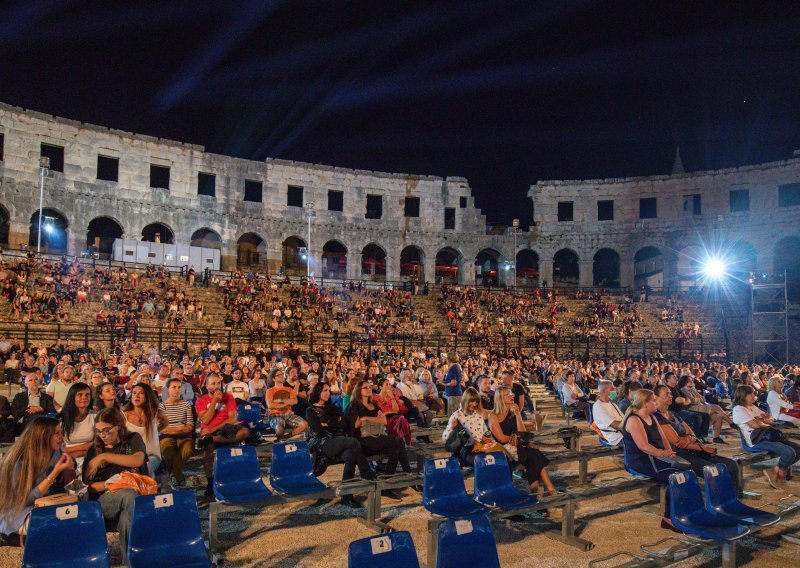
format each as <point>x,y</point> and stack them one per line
<point>769,322</point>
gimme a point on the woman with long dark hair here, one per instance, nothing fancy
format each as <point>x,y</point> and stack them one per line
<point>328,437</point>
<point>143,416</point>
<point>105,396</point>
<point>34,467</point>
<point>77,421</point>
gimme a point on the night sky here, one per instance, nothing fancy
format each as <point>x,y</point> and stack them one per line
<point>503,93</point>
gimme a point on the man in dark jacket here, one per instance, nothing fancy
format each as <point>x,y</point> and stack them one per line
<point>30,403</point>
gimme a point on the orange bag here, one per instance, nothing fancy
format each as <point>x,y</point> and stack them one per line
<point>142,484</point>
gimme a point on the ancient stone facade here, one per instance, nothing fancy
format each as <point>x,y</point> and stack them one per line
<point>747,216</point>
<point>225,219</point>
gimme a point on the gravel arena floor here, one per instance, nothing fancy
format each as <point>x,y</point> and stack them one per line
<point>303,535</point>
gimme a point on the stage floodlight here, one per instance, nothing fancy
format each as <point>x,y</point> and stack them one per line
<point>714,268</point>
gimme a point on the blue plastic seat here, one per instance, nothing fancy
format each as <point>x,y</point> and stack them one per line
<point>66,536</point>
<point>165,531</point>
<point>237,477</point>
<point>466,542</point>
<point>291,471</point>
<point>747,447</point>
<point>689,515</point>
<point>251,415</point>
<point>494,485</point>
<point>394,549</point>
<point>721,498</point>
<point>443,491</point>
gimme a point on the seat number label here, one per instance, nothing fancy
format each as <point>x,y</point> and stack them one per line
<point>381,544</point>
<point>463,526</point>
<point>440,464</point>
<point>235,452</point>
<point>65,513</point>
<point>489,460</point>
<point>713,471</point>
<point>165,500</point>
<point>290,448</point>
<point>680,478</point>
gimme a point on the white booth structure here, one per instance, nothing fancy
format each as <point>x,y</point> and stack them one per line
<point>177,255</point>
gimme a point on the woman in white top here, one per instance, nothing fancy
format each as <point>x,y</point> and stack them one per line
<point>778,402</point>
<point>143,416</point>
<point>607,416</point>
<point>758,434</point>
<point>469,415</point>
<point>77,421</point>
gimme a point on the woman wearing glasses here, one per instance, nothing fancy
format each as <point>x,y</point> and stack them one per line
<point>115,450</point>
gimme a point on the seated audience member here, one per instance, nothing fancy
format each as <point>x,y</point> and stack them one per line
<point>105,396</point>
<point>722,390</point>
<point>607,416</point>
<point>779,406</point>
<point>627,392</point>
<point>684,442</point>
<point>30,403</point>
<point>699,404</point>
<point>394,409</point>
<point>258,388</point>
<point>367,423</point>
<point>505,421</point>
<point>430,394</point>
<point>644,443</point>
<point>175,438</point>
<point>413,396</point>
<point>327,436</point>
<point>471,418</point>
<point>700,421</point>
<point>33,467</point>
<point>758,433</point>
<point>77,421</point>
<point>280,400</point>
<point>507,380</point>
<point>187,391</point>
<point>574,396</point>
<point>59,386</point>
<point>143,416</point>
<point>237,388</point>
<point>115,450</point>
<point>216,411</point>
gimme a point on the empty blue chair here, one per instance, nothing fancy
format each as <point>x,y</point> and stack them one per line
<point>165,531</point>
<point>466,542</point>
<point>237,477</point>
<point>494,485</point>
<point>394,549</point>
<point>66,536</point>
<point>689,515</point>
<point>291,471</point>
<point>721,498</point>
<point>251,415</point>
<point>443,491</point>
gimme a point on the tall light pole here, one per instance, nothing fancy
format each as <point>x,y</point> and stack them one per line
<point>44,167</point>
<point>309,214</point>
<point>515,225</point>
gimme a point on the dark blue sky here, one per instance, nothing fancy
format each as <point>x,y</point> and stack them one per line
<point>503,93</point>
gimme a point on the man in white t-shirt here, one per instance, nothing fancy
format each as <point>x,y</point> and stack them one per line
<point>59,387</point>
<point>237,388</point>
<point>607,417</point>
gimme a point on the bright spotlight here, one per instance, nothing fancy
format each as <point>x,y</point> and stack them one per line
<point>49,229</point>
<point>715,268</point>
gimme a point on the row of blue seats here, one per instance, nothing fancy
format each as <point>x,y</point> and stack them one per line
<point>165,531</point>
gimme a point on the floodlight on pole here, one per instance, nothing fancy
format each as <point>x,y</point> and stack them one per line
<point>44,168</point>
<point>310,214</point>
<point>714,268</point>
<point>515,225</point>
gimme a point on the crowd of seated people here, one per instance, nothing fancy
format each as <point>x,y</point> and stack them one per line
<point>135,408</point>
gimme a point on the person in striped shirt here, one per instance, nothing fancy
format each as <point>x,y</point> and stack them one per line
<point>176,437</point>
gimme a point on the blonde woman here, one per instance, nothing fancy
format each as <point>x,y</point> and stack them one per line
<point>34,467</point>
<point>469,415</point>
<point>644,443</point>
<point>505,420</point>
<point>779,406</point>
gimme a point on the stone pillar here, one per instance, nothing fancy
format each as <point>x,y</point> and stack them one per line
<point>315,262</point>
<point>546,271</point>
<point>18,233</point>
<point>274,257</point>
<point>626,273</point>
<point>585,276</point>
<point>392,268</point>
<point>353,265</point>
<point>670,274</point>
<point>429,270</point>
<point>466,272</point>
<point>76,244</point>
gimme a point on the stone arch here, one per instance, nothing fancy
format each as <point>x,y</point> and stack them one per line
<point>566,268</point>
<point>5,225</point>
<point>527,268</point>
<point>251,250</point>
<point>487,264</point>
<point>158,233</point>
<point>206,238</point>
<point>448,265</point>
<point>412,263</point>
<point>606,268</point>
<point>373,262</point>
<point>787,259</point>
<point>294,255</point>
<point>648,267</point>
<point>55,228</point>
<point>690,265</point>
<point>101,233</point>
<point>334,260</point>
